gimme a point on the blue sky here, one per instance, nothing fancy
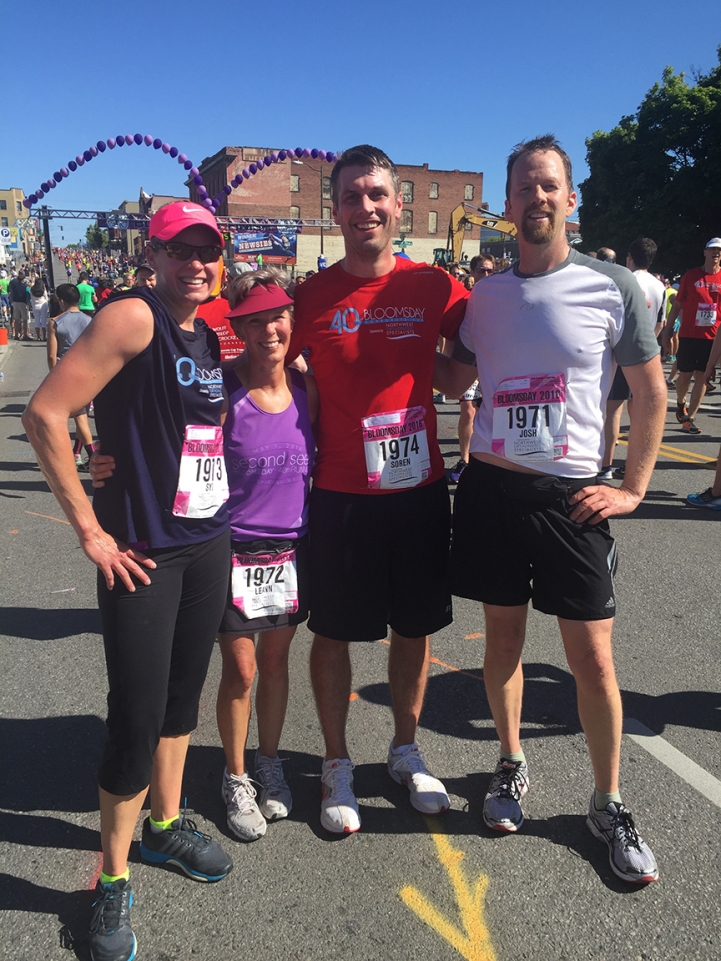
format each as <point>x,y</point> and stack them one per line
<point>453,84</point>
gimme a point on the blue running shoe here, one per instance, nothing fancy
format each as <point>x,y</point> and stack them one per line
<point>705,499</point>
<point>111,937</point>
<point>182,844</point>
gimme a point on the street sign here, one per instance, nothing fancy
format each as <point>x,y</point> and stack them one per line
<point>5,235</point>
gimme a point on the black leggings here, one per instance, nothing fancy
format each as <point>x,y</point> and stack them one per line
<point>158,641</point>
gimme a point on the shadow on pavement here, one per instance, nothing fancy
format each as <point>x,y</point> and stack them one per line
<point>39,624</point>
<point>71,908</point>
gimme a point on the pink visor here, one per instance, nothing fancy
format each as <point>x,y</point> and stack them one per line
<point>167,223</point>
<point>262,297</point>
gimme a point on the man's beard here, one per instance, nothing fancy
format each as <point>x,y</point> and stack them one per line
<point>539,232</point>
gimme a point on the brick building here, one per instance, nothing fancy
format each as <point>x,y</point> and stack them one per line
<point>301,189</point>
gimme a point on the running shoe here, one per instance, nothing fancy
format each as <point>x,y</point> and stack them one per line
<point>338,808</point>
<point>620,472</point>
<point>244,816</point>
<point>439,398</point>
<point>606,473</point>
<point>184,845</point>
<point>427,793</point>
<point>706,498</point>
<point>502,804</point>
<point>681,413</point>
<point>628,854</point>
<point>111,937</point>
<point>689,427</point>
<point>275,800</point>
<point>455,474</point>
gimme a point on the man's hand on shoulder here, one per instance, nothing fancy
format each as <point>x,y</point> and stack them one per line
<point>596,503</point>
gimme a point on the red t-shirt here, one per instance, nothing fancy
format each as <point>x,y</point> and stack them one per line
<point>371,346</point>
<point>699,295</point>
<point>214,314</point>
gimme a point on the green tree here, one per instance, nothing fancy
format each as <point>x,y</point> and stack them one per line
<point>658,173</point>
<point>96,238</point>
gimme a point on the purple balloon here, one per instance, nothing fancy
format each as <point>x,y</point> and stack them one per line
<point>253,168</point>
<point>314,153</point>
<point>33,198</point>
<point>40,193</point>
<point>173,152</point>
<point>274,156</point>
<point>202,191</point>
<point>64,171</point>
<point>111,142</point>
<point>198,180</point>
<point>27,203</point>
<point>188,164</point>
<point>306,152</point>
<point>87,155</point>
<point>57,176</point>
<point>246,173</point>
<point>330,157</point>
<point>321,154</point>
<point>212,209</point>
<point>52,184</point>
<point>182,158</point>
<point>79,160</point>
<point>298,152</point>
<point>207,202</point>
<point>101,146</point>
<point>138,138</point>
<point>129,140</point>
<point>157,143</point>
<point>166,148</point>
<point>267,160</point>
<point>120,140</point>
<point>282,154</point>
<point>73,166</point>
<point>44,186</point>
<point>228,189</point>
<point>194,172</point>
<point>147,140</point>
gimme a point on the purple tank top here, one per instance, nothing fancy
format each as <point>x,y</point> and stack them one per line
<point>269,458</point>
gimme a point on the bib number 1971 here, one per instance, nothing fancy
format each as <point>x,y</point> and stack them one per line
<point>529,418</point>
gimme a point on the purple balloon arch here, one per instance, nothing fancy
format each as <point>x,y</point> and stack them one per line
<point>212,203</point>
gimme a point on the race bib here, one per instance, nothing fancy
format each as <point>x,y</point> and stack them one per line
<point>706,315</point>
<point>529,418</point>
<point>396,448</point>
<point>202,480</point>
<point>265,584</point>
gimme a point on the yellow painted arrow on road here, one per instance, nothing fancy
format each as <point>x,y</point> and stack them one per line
<point>474,941</point>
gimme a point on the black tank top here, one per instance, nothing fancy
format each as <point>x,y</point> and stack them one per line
<point>141,416</point>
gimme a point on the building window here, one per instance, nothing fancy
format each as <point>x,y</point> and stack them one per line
<point>295,213</point>
<point>294,183</point>
<point>433,192</point>
<point>3,205</point>
<point>468,192</point>
<point>18,206</point>
<point>327,213</point>
<point>406,221</point>
<point>433,222</point>
<point>4,222</point>
<point>407,191</point>
<point>326,188</point>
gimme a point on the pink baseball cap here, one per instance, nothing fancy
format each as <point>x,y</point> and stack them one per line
<point>166,223</point>
<point>262,297</point>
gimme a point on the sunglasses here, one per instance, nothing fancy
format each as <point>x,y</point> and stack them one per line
<point>207,254</point>
<point>484,270</point>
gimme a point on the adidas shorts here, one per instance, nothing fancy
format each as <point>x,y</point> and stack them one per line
<point>514,541</point>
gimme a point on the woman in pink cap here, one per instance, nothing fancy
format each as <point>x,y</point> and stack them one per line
<point>158,531</point>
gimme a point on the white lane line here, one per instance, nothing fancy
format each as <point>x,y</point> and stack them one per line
<point>692,773</point>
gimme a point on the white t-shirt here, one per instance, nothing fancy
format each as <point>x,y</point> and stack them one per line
<point>546,347</point>
<point>655,295</point>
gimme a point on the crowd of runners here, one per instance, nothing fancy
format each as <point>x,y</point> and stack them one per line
<point>205,524</point>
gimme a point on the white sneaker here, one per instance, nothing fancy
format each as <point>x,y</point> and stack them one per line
<point>338,807</point>
<point>427,793</point>
<point>274,798</point>
<point>244,817</point>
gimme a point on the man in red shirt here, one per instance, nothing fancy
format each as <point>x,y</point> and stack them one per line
<point>699,303</point>
<point>379,510</point>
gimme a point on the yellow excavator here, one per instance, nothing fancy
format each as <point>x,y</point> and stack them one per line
<point>463,214</point>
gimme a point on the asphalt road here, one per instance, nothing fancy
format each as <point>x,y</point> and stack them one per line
<point>404,887</point>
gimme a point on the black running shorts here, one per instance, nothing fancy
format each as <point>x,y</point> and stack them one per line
<point>693,354</point>
<point>235,622</point>
<point>619,388</point>
<point>514,541</point>
<point>379,559</point>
